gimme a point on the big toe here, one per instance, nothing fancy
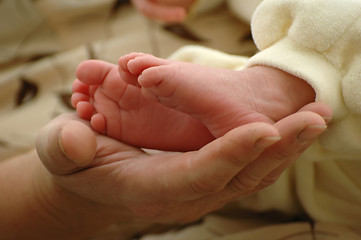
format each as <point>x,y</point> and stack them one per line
<point>93,72</point>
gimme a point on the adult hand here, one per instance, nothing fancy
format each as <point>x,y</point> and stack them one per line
<point>164,10</point>
<point>173,186</point>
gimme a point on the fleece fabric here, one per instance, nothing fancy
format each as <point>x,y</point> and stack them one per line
<point>320,42</point>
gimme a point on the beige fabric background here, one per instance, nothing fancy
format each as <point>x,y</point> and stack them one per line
<point>42,42</point>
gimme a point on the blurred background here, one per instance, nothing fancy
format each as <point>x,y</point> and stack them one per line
<point>43,41</point>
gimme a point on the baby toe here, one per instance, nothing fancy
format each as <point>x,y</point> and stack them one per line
<point>80,87</point>
<point>78,97</point>
<point>98,122</point>
<point>85,110</point>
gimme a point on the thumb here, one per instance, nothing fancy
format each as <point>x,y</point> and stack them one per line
<point>66,145</point>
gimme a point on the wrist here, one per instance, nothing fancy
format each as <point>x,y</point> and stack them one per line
<point>37,208</point>
<point>73,216</point>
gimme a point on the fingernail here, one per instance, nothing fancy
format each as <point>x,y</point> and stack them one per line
<point>60,144</point>
<point>265,142</point>
<point>310,133</point>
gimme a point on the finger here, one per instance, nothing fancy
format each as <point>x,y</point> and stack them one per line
<point>298,131</point>
<point>320,108</point>
<point>298,142</point>
<point>66,145</point>
<point>189,177</point>
<point>214,166</point>
<point>160,12</point>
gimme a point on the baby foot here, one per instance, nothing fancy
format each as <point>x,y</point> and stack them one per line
<point>120,111</point>
<point>220,99</point>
